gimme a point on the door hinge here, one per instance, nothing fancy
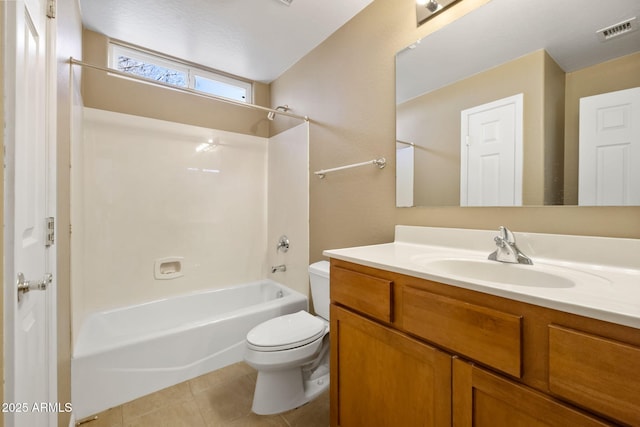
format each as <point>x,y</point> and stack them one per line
<point>50,229</point>
<point>51,9</point>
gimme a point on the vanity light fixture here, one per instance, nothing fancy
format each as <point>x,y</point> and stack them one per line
<point>433,5</point>
<point>425,9</point>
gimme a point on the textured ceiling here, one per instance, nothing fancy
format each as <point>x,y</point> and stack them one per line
<point>254,39</point>
<point>503,30</point>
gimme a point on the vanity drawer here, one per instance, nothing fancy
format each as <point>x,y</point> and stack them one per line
<point>488,336</point>
<point>362,292</point>
<point>600,374</point>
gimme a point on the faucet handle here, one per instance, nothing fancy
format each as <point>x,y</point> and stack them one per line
<point>283,244</point>
<point>506,235</point>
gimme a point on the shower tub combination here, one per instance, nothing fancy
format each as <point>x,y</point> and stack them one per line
<point>129,352</point>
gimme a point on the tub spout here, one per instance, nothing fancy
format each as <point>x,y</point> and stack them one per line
<point>280,267</point>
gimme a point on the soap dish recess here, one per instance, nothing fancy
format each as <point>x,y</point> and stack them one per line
<point>168,268</point>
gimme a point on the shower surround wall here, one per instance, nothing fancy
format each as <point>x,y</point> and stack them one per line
<point>151,189</point>
<point>288,201</point>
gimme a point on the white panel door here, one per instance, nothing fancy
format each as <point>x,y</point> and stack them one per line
<point>491,154</point>
<point>609,165</point>
<point>28,356</point>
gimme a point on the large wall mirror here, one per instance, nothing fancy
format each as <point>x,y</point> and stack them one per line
<point>505,107</point>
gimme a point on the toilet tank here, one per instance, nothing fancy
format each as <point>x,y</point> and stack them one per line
<point>319,278</point>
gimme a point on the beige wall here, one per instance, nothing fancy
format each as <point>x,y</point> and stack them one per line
<point>432,122</point>
<point>553,133</point>
<point>347,87</point>
<point>618,74</point>
<point>112,93</point>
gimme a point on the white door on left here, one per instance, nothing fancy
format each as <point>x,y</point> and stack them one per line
<point>29,381</point>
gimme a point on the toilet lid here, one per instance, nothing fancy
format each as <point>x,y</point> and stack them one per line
<point>288,331</point>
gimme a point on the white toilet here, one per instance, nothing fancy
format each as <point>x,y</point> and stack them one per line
<point>291,352</point>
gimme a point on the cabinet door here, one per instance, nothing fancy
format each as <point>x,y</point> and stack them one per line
<point>382,378</point>
<point>481,399</point>
<point>596,373</point>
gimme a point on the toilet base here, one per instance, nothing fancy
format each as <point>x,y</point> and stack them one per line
<point>280,391</point>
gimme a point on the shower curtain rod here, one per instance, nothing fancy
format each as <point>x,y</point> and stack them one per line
<point>74,61</point>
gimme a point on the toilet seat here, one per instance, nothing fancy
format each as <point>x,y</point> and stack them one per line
<point>286,332</point>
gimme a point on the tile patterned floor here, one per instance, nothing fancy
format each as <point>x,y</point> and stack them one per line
<point>218,399</point>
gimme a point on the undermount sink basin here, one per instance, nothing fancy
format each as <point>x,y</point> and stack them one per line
<point>496,272</point>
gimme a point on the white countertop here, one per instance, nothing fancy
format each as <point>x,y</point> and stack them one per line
<point>606,271</point>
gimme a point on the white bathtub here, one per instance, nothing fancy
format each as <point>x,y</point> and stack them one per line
<point>125,353</point>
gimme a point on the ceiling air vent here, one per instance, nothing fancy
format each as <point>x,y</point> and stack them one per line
<point>617,30</point>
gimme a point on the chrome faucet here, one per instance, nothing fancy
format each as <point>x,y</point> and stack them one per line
<point>506,250</point>
<point>283,244</point>
<point>280,267</point>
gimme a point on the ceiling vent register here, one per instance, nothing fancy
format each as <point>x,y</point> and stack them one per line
<point>618,30</point>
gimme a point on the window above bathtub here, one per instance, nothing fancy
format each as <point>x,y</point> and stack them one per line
<point>154,66</point>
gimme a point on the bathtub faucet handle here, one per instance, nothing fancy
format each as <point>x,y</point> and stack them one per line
<point>283,244</point>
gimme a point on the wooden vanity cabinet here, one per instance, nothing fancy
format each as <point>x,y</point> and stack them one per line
<point>595,372</point>
<point>484,399</point>
<point>481,333</point>
<point>382,378</point>
<point>379,376</point>
<point>411,352</point>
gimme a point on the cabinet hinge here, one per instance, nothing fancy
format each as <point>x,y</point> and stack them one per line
<point>50,229</point>
<point>51,9</point>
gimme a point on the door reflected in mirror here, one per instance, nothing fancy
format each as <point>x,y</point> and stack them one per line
<point>501,49</point>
